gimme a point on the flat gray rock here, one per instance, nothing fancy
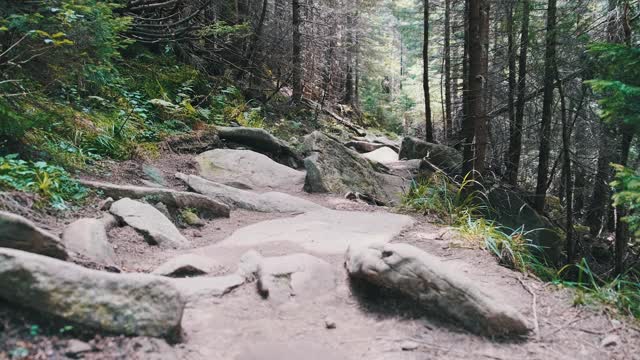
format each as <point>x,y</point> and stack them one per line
<point>280,278</point>
<point>17,232</point>
<point>187,265</point>
<point>174,200</point>
<point>236,198</point>
<point>204,287</point>
<point>324,231</point>
<point>88,237</point>
<point>155,227</point>
<point>383,155</point>
<point>247,167</point>
<point>263,142</point>
<point>436,284</point>
<point>129,304</point>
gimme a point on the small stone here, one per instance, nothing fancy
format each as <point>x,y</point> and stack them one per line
<point>105,204</point>
<point>409,346</point>
<point>610,340</point>
<point>77,347</point>
<point>329,323</point>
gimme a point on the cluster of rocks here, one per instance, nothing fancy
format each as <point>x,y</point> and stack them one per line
<point>34,273</point>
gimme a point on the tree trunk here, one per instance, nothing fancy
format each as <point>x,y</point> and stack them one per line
<point>448,123</point>
<point>547,108</point>
<point>516,116</point>
<point>567,179</point>
<point>425,75</point>
<point>296,53</point>
<point>348,86</point>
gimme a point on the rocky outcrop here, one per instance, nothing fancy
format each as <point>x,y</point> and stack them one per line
<point>383,155</point>
<point>333,168</point>
<point>263,142</point>
<point>202,288</point>
<point>151,223</point>
<point>435,284</point>
<point>302,276</point>
<point>88,237</point>
<point>236,198</point>
<point>129,304</point>
<point>16,232</point>
<point>442,156</point>
<point>173,199</point>
<point>187,265</point>
<point>324,231</point>
<point>247,167</point>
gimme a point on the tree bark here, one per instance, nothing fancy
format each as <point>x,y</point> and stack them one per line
<point>425,75</point>
<point>448,123</point>
<point>296,53</point>
<point>547,108</point>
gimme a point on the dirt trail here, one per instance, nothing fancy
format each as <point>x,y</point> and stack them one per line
<point>371,323</point>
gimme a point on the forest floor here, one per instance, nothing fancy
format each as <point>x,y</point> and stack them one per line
<point>369,323</point>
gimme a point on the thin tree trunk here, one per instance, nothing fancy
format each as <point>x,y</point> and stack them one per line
<point>515,124</point>
<point>297,52</point>
<point>448,122</point>
<point>348,86</point>
<point>425,75</point>
<point>567,179</point>
<point>547,107</point>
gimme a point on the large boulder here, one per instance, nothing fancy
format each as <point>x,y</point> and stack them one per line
<point>247,167</point>
<point>263,142</point>
<point>511,210</point>
<point>173,199</point>
<point>280,278</point>
<point>88,237</point>
<point>150,222</point>
<point>363,146</point>
<point>324,231</point>
<point>130,304</point>
<point>333,168</point>
<point>442,156</point>
<point>17,232</point>
<point>270,202</point>
<point>437,285</point>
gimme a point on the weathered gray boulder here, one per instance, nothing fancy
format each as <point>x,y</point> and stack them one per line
<point>263,142</point>
<point>442,156</point>
<point>151,223</point>
<point>324,231</point>
<point>205,288</point>
<point>17,232</point>
<point>383,155</point>
<point>237,198</point>
<point>130,304</point>
<point>88,237</point>
<point>187,265</point>
<point>363,146</point>
<point>301,275</point>
<point>512,211</point>
<point>435,284</point>
<point>333,168</point>
<point>173,199</point>
<point>247,167</point>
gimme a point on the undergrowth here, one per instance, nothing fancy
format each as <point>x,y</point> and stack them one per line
<point>52,183</point>
<point>464,206</point>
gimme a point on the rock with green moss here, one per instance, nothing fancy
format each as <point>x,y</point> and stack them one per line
<point>129,304</point>
<point>191,218</point>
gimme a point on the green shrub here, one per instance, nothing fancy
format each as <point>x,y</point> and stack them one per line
<point>52,183</point>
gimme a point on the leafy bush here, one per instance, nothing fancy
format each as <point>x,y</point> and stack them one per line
<point>53,183</point>
<point>627,184</point>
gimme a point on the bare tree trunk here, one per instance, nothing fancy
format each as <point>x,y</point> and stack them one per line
<point>448,123</point>
<point>348,85</point>
<point>547,107</point>
<point>425,75</point>
<point>515,117</point>
<point>566,170</point>
<point>296,53</point>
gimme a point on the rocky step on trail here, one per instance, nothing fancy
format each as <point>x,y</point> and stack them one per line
<point>274,272</point>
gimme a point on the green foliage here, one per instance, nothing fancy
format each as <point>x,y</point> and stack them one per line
<point>627,184</point>
<point>622,292</point>
<point>53,183</point>
<point>440,196</point>
<point>221,30</point>
<point>229,105</point>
